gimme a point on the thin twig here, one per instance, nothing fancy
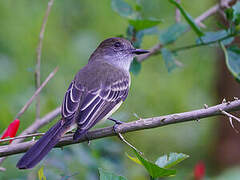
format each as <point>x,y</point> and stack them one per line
<point>22,137</point>
<point>154,50</point>
<point>130,126</point>
<point>29,102</point>
<point>125,141</point>
<point>39,52</point>
<point>231,117</point>
<point>183,48</point>
<point>212,11</point>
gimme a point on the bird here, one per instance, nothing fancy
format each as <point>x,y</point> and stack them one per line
<point>95,93</point>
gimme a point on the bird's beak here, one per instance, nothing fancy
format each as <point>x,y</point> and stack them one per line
<point>139,51</point>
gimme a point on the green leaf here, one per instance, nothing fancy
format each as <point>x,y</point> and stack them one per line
<point>167,161</point>
<point>41,175</point>
<point>135,67</point>
<point>134,159</point>
<point>215,36</point>
<point>169,59</point>
<point>236,13</point>
<point>232,58</point>
<point>172,33</point>
<point>154,170</point>
<point>151,31</point>
<point>140,24</point>
<point>236,9</point>
<point>188,18</point>
<point>106,175</point>
<point>123,8</point>
<point>229,13</point>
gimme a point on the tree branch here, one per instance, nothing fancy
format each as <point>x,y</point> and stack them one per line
<point>132,126</point>
<point>211,11</point>
<point>39,52</point>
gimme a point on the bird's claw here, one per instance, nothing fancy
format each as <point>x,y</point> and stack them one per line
<point>117,122</point>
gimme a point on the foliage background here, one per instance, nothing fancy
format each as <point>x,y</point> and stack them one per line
<point>73,31</point>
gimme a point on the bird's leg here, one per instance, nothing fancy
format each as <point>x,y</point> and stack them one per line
<point>117,122</point>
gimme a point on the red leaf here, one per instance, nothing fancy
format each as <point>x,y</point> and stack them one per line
<point>199,171</point>
<point>11,130</point>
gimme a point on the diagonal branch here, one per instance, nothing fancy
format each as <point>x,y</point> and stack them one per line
<point>29,102</point>
<point>132,126</point>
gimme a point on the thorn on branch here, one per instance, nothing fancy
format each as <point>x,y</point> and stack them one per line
<point>205,106</point>
<point>224,101</point>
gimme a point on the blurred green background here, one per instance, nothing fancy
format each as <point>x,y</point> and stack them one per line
<point>73,31</point>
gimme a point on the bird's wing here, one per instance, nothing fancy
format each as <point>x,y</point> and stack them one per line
<point>99,102</point>
<point>72,99</point>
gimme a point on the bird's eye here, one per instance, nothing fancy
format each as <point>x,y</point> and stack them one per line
<point>117,44</point>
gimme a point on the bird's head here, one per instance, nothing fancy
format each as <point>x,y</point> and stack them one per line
<point>117,51</point>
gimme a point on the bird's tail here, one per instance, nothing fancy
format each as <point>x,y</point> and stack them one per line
<point>40,149</point>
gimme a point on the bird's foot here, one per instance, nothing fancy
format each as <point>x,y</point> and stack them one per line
<point>117,122</point>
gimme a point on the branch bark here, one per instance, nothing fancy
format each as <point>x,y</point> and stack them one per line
<point>131,126</point>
